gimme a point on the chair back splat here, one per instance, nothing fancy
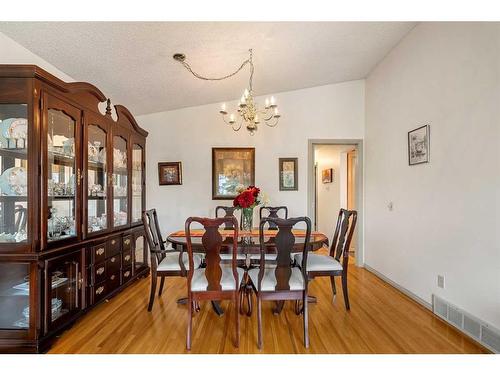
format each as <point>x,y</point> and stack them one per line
<point>228,212</point>
<point>153,236</point>
<point>344,231</point>
<point>212,242</point>
<point>284,244</point>
<point>273,213</point>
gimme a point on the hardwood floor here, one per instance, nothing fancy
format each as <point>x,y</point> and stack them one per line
<point>381,320</point>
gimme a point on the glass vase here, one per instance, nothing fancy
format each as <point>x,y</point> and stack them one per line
<point>246,219</point>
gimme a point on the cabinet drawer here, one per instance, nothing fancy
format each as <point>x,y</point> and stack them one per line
<point>127,259</point>
<point>98,292</point>
<point>98,253</point>
<point>126,275</point>
<point>127,243</point>
<point>113,281</point>
<point>113,246</point>
<point>113,265</point>
<point>98,273</point>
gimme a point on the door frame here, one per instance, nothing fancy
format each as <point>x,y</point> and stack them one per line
<point>359,256</point>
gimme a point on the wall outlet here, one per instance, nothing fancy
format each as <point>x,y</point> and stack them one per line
<point>441,281</point>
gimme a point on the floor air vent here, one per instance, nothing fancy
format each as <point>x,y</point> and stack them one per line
<point>470,325</point>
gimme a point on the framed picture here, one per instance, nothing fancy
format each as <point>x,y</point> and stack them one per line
<point>327,175</point>
<point>170,173</point>
<point>288,172</point>
<point>231,168</point>
<point>418,145</point>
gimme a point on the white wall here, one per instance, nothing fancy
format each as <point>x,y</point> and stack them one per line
<point>330,194</point>
<point>12,52</point>
<point>446,213</point>
<point>188,135</point>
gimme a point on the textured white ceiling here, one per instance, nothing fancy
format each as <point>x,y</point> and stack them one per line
<point>131,62</point>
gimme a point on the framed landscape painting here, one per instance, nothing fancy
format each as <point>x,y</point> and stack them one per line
<point>418,145</point>
<point>231,168</point>
<point>288,172</point>
<point>170,173</point>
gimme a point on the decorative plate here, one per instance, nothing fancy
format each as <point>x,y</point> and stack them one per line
<point>13,181</point>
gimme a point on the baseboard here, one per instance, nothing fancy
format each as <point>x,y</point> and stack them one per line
<point>402,289</point>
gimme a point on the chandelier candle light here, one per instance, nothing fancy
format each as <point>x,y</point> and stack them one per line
<point>248,111</point>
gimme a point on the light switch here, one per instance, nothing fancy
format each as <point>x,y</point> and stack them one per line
<point>390,206</point>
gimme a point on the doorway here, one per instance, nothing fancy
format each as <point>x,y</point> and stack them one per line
<point>335,181</point>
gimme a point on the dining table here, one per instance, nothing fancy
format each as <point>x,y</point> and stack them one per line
<point>248,245</point>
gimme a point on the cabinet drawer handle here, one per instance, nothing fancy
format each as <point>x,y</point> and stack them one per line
<point>100,271</point>
<point>100,251</point>
<point>112,277</point>
<point>113,242</point>
<point>127,258</point>
<point>99,290</point>
<point>126,274</point>
<point>127,241</point>
<point>113,259</point>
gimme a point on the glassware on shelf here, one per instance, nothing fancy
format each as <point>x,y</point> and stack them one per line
<point>120,181</point>
<point>13,173</point>
<point>61,175</point>
<point>97,183</point>
<point>14,295</point>
<point>136,183</point>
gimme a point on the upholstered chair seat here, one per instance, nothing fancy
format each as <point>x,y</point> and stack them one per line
<point>224,257</point>
<point>171,261</point>
<point>318,262</point>
<point>266,256</point>
<point>296,281</point>
<point>199,282</point>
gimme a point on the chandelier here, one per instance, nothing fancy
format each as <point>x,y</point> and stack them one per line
<point>248,112</point>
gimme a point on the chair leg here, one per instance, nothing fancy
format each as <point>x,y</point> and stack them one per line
<point>161,285</point>
<point>306,321</point>
<point>298,308</point>
<point>279,306</point>
<point>237,315</point>
<point>190,323</point>
<point>334,288</point>
<point>259,322</point>
<point>153,291</point>
<point>344,291</point>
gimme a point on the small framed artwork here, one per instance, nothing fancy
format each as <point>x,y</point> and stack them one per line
<point>170,173</point>
<point>288,172</point>
<point>232,168</point>
<point>418,145</point>
<point>327,175</point>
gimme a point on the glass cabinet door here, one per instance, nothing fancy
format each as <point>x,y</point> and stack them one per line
<point>97,169</point>
<point>13,173</point>
<point>120,182</point>
<point>14,296</point>
<point>63,283</point>
<point>61,175</point>
<point>137,178</point>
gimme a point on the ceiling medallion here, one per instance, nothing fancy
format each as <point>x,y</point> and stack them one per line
<point>247,111</point>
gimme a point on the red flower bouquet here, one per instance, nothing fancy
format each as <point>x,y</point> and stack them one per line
<point>248,198</point>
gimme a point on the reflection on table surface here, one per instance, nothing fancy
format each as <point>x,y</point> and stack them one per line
<point>249,241</point>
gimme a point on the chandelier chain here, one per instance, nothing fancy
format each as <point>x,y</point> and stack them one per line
<point>199,76</point>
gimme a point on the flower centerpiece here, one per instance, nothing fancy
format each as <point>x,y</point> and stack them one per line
<point>247,199</point>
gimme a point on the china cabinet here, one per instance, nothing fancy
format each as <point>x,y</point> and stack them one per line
<point>71,198</point>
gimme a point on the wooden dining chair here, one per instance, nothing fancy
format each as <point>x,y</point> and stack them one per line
<point>273,212</point>
<point>165,261</point>
<point>331,265</point>
<point>228,212</point>
<point>217,281</point>
<point>280,280</point>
